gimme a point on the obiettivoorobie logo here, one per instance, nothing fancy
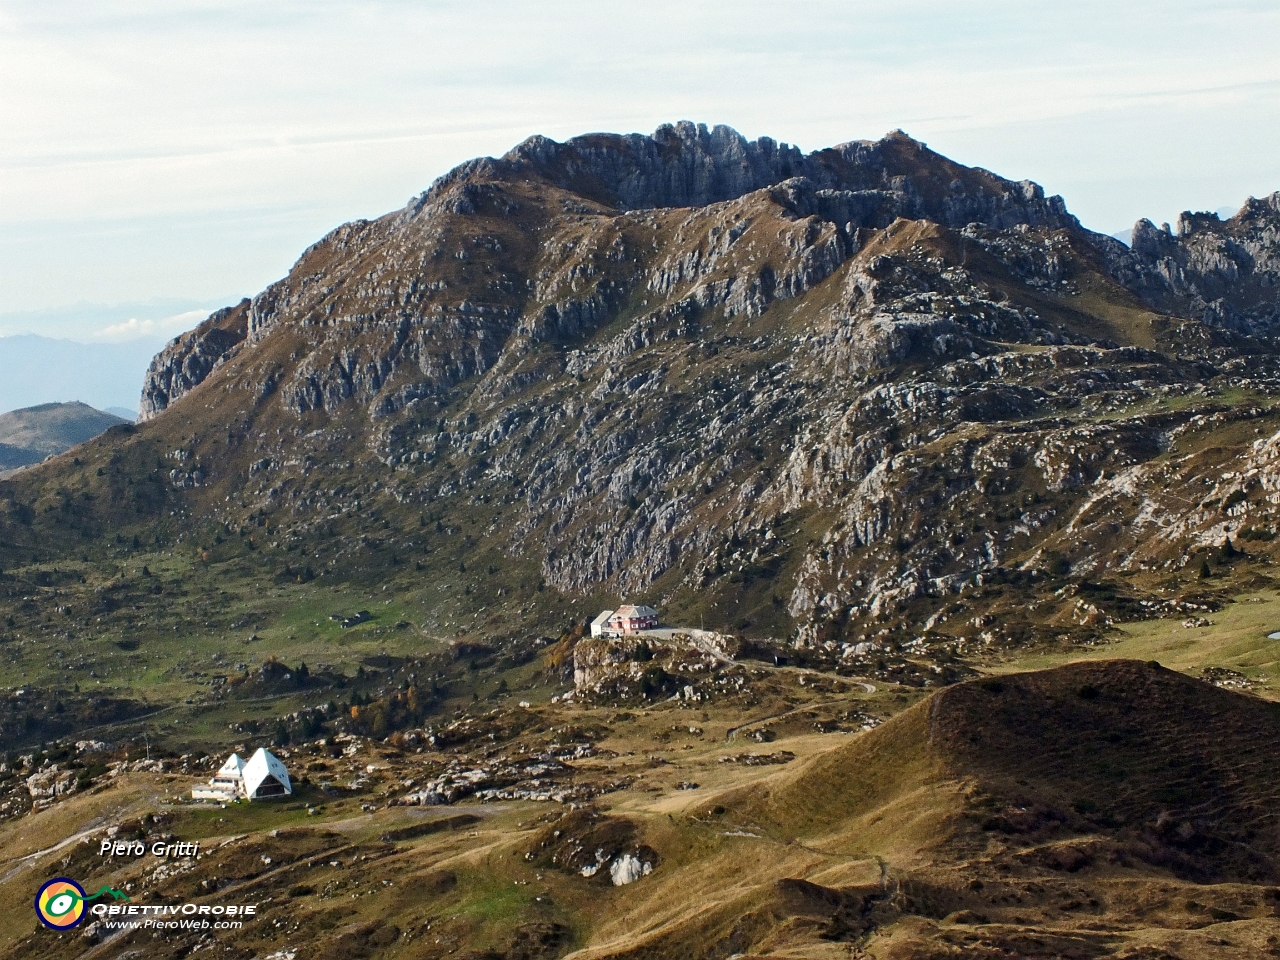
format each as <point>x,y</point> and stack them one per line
<point>60,902</point>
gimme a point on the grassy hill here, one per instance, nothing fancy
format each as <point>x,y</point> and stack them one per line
<point>1100,809</point>
<point>1095,746</point>
<point>29,435</point>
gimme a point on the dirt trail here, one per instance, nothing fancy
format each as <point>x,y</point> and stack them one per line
<point>20,862</point>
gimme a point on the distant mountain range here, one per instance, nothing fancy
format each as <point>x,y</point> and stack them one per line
<point>29,435</point>
<point>38,370</point>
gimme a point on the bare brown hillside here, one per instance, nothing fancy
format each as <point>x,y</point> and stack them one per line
<point>31,434</point>
<point>1107,809</point>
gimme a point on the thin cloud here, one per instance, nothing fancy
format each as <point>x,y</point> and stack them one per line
<point>148,329</point>
<point>122,112</point>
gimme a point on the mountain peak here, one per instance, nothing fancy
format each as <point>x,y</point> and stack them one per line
<point>541,184</point>
<point>647,347</point>
<point>689,164</point>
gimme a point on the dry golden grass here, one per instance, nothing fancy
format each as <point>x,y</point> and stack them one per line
<point>936,794</point>
<point>1236,639</point>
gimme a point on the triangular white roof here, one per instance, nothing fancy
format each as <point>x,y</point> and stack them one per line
<point>232,769</point>
<point>603,618</point>
<point>262,766</point>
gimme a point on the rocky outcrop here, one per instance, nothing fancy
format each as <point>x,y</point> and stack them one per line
<point>185,363</point>
<point>853,385</point>
<point>50,782</point>
<point>1224,272</point>
<point>596,660</point>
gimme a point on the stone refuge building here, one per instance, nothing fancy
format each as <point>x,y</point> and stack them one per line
<point>628,618</point>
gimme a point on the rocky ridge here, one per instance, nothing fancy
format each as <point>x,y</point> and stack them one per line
<point>189,359</point>
<point>829,396</point>
<point>1225,272</point>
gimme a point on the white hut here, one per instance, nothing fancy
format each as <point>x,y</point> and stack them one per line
<point>265,776</point>
<point>601,623</point>
<point>227,783</point>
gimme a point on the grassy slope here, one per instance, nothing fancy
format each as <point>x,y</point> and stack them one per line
<point>1235,638</point>
<point>54,427</point>
<point>910,794</point>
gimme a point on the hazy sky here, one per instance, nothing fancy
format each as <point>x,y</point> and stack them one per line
<point>165,156</point>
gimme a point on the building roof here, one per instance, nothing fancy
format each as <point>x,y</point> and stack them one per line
<point>632,610</point>
<point>233,769</point>
<point>602,619</point>
<point>262,765</point>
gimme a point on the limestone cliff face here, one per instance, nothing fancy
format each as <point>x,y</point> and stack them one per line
<point>183,365</point>
<point>819,388</point>
<point>1227,272</point>
<point>866,183</point>
<point>564,234</point>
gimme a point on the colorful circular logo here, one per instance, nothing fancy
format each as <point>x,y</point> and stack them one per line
<point>60,903</point>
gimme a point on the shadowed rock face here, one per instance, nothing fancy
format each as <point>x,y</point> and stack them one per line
<point>190,358</point>
<point>1227,272</point>
<point>831,393</point>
